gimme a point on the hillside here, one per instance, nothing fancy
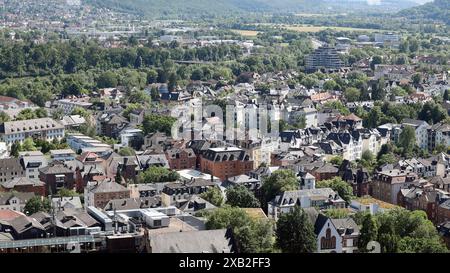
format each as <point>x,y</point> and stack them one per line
<point>437,10</point>
<point>199,8</point>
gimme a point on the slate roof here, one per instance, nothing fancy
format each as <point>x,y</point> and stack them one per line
<point>22,196</point>
<point>55,168</point>
<point>107,186</point>
<point>10,165</point>
<point>22,181</point>
<point>31,125</point>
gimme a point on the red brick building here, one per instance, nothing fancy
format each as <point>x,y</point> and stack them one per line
<point>443,212</point>
<point>23,184</point>
<point>225,162</point>
<point>57,176</point>
<point>181,158</point>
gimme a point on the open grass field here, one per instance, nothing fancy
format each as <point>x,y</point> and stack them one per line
<point>246,33</point>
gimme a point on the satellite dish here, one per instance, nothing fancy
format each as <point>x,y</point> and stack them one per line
<point>373,247</point>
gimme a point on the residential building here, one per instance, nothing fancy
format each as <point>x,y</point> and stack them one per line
<point>42,128</point>
<point>23,184</point>
<point>386,185</point>
<point>324,57</point>
<point>14,200</point>
<point>225,162</point>
<point>334,235</point>
<point>98,194</point>
<point>11,168</point>
<point>80,142</point>
<point>57,176</point>
<point>421,128</point>
<point>62,155</point>
<point>323,198</point>
<point>181,158</point>
<point>178,193</point>
<point>32,161</point>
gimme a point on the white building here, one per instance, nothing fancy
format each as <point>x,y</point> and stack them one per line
<point>42,128</point>
<point>32,161</point>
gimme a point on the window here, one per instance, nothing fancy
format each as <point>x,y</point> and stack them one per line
<point>328,242</point>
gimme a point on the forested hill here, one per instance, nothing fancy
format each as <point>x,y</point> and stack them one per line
<point>198,8</point>
<point>437,10</point>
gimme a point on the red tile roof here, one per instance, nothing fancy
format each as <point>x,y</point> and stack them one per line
<point>8,215</point>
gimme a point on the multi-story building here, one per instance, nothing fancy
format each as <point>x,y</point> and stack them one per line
<point>386,185</point>
<point>57,176</point>
<point>225,162</point>
<point>324,57</point>
<point>421,128</point>
<point>62,155</point>
<point>10,168</point>
<point>68,105</point>
<point>181,158</point>
<point>23,184</point>
<point>438,134</point>
<point>323,198</point>
<point>98,194</point>
<point>80,142</point>
<point>14,200</point>
<point>32,161</point>
<point>42,128</point>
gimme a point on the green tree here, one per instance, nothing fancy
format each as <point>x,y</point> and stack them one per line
<point>154,123</point>
<point>330,85</point>
<point>278,182</point>
<point>80,111</point>
<point>214,196</point>
<point>26,114</point>
<point>368,159</point>
<point>295,232</point>
<point>139,96</point>
<point>368,232</point>
<point>376,60</point>
<point>416,78</point>
<point>15,149</point>
<point>352,94</point>
<point>40,113</point>
<point>407,140</point>
<point>252,236</point>
<point>338,105</point>
<point>4,117</point>
<point>342,188</point>
<point>378,90</point>
<point>28,145</point>
<point>37,204</point>
<point>240,196</point>
<point>158,174</point>
<point>432,113</point>
<point>107,79</point>
<point>127,151</point>
<point>337,160</point>
<point>66,193</point>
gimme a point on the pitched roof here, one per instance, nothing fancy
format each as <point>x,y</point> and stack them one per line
<point>108,186</point>
<point>31,125</point>
<point>7,214</point>
<point>22,181</point>
<point>55,168</point>
<point>22,196</point>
